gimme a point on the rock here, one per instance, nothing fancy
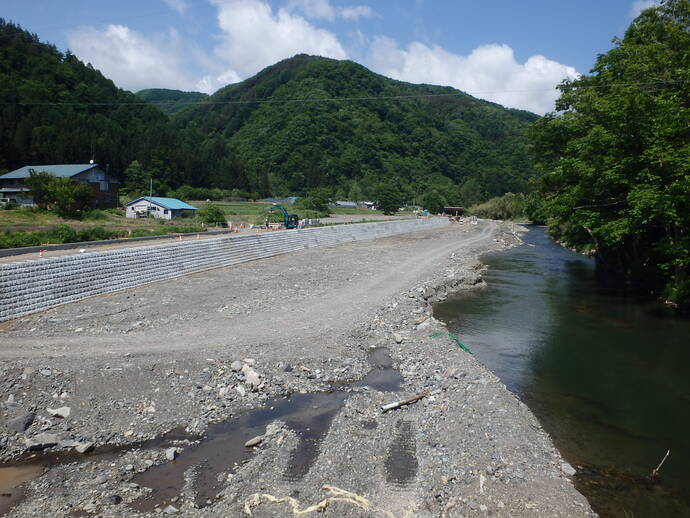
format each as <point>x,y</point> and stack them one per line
<point>240,389</point>
<point>252,377</point>
<point>90,507</point>
<point>62,412</point>
<point>21,423</point>
<point>41,441</point>
<point>285,367</point>
<point>114,499</point>
<point>100,479</point>
<point>129,467</point>
<point>236,366</point>
<point>254,441</point>
<point>171,453</point>
<point>83,447</point>
<point>171,510</point>
<point>398,338</point>
<point>568,469</point>
<point>46,372</point>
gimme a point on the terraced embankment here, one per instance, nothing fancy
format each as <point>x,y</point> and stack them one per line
<point>216,352</point>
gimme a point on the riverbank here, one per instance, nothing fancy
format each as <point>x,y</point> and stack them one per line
<point>210,347</point>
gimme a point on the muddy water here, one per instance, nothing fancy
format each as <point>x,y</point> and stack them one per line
<point>607,376</point>
<point>222,450</point>
<point>308,415</point>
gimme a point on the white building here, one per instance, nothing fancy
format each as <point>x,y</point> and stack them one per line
<point>152,206</point>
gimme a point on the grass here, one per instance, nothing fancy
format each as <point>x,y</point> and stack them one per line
<point>27,226</point>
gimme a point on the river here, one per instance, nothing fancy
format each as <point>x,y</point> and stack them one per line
<point>608,377</point>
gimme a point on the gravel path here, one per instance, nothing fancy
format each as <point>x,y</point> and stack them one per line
<point>209,347</point>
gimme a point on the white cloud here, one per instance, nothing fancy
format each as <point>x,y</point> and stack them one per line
<point>255,37</point>
<point>315,9</point>
<point>130,60</point>
<point>355,12</point>
<point>490,72</point>
<point>178,5</point>
<point>322,9</point>
<point>640,5</point>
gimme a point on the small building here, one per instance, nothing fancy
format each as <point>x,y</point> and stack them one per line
<point>342,204</point>
<point>153,206</point>
<point>454,211</point>
<point>103,186</point>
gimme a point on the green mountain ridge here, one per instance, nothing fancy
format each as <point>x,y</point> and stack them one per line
<point>170,101</point>
<point>303,123</point>
<point>308,121</point>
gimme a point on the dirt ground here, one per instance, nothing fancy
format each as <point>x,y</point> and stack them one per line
<point>213,357</point>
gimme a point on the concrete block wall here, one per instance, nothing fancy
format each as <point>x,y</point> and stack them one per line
<point>31,286</point>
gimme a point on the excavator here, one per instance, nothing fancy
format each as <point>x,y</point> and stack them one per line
<point>289,220</point>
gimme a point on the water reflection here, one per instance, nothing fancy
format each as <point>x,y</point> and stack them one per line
<point>607,376</point>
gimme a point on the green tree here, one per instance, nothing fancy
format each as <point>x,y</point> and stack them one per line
<point>388,198</point>
<point>433,201</point>
<point>615,160</point>
<point>40,186</point>
<point>211,214</point>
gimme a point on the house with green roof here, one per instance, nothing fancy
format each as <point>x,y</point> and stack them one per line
<point>104,187</point>
<point>154,206</point>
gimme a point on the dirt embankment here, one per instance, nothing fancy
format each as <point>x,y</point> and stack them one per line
<point>213,356</point>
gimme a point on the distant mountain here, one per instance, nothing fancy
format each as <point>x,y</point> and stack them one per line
<point>170,101</point>
<point>302,123</point>
<point>310,121</point>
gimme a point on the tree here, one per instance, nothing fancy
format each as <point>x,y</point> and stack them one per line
<point>67,197</point>
<point>614,161</point>
<point>211,214</point>
<point>388,198</point>
<point>39,184</point>
<point>433,201</point>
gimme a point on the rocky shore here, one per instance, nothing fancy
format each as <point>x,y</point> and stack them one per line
<point>269,380</point>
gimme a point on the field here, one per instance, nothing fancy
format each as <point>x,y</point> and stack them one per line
<point>29,227</point>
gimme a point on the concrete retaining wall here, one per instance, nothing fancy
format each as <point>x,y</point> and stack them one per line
<point>31,286</point>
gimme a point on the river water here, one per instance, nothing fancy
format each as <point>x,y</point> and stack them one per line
<point>608,377</point>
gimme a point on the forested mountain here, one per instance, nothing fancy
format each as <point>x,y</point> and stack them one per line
<point>170,101</point>
<point>303,123</point>
<point>308,121</point>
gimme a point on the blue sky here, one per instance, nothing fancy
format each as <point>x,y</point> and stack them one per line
<point>507,51</point>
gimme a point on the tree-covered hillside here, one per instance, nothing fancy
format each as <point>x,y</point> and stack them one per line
<point>170,101</point>
<point>307,122</point>
<point>303,123</point>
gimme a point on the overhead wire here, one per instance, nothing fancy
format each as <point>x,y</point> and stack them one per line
<point>327,99</point>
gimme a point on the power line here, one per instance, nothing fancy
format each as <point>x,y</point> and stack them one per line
<point>331,99</point>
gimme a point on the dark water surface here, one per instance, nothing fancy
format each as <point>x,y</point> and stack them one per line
<point>608,377</point>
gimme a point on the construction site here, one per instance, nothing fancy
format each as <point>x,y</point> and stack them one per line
<point>279,374</point>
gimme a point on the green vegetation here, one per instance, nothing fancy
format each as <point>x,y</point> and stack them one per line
<point>615,160</point>
<point>66,197</point>
<point>302,140</point>
<point>170,101</point>
<point>211,214</point>
<point>509,207</point>
<point>56,109</point>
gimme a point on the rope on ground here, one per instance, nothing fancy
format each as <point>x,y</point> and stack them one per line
<point>336,495</point>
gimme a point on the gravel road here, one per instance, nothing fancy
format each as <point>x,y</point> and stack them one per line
<point>212,358</point>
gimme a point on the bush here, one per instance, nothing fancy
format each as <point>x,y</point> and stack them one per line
<point>211,214</point>
<point>508,206</point>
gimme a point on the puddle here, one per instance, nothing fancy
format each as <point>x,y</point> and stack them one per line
<point>13,475</point>
<point>222,450</point>
<point>308,415</point>
<point>11,480</point>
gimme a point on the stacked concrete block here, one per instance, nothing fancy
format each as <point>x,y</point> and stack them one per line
<point>30,286</point>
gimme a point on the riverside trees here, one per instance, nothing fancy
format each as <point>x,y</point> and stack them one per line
<point>615,160</point>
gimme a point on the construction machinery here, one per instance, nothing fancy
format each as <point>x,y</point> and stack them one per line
<point>289,220</point>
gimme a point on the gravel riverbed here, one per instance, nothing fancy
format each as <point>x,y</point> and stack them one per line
<point>90,389</point>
